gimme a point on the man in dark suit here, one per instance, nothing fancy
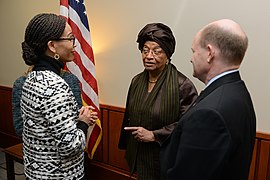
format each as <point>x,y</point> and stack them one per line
<point>214,139</point>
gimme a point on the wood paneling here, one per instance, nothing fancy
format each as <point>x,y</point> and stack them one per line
<point>105,134</point>
<point>5,105</point>
<point>109,161</point>
<point>8,135</point>
<point>253,162</point>
<point>264,160</point>
<point>101,171</point>
<point>116,156</point>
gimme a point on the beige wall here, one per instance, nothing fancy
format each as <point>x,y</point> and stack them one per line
<point>114,28</point>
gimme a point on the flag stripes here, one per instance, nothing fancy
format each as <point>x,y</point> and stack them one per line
<point>83,65</point>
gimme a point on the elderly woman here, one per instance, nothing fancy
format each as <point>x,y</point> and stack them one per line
<point>157,98</point>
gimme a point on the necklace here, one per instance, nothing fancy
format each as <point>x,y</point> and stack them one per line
<point>152,81</point>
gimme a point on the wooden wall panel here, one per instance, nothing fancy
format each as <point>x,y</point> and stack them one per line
<point>105,134</point>
<point>101,171</point>
<point>252,170</point>
<point>8,135</point>
<point>264,161</point>
<point>116,156</point>
<point>5,105</point>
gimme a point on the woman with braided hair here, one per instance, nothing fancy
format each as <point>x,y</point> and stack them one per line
<point>157,98</point>
<point>54,128</point>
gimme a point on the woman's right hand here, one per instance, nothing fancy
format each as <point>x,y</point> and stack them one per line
<point>87,115</point>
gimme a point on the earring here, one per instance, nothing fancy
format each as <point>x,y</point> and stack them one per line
<point>56,56</point>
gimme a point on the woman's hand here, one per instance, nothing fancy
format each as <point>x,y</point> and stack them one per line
<point>141,134</point>
<point>88,116</point>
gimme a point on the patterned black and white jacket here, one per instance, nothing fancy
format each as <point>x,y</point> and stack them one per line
<point>53,139</point>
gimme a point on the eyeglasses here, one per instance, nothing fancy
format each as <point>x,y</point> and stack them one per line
<point>154,52</point>
<point>71,38</point>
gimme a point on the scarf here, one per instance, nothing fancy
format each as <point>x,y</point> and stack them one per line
<point>146,111</point>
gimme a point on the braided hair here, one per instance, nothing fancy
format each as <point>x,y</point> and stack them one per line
<point>40,30</point>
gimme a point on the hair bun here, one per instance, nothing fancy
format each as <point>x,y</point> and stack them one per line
<point>28,54</point>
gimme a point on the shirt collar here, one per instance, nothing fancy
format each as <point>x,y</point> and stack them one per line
<point>220,75</point>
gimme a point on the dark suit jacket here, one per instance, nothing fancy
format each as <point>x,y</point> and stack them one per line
<point>214,140</point>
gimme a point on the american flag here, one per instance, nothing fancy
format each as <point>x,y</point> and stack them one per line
<point>83,65</point>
